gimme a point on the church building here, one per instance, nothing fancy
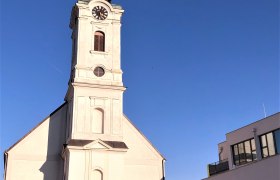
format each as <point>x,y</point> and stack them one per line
<point>88,137</point>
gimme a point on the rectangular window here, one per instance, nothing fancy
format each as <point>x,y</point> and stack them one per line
<point>277,140</point>
<point>254,152</point>
<point>99,41</point>
<point>270,143</point>
<point>244,152</point>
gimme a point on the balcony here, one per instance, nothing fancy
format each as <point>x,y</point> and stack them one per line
<point>218,167</point>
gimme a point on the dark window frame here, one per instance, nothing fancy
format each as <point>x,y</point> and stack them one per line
<point>277,151</point>
<point>243,157</point>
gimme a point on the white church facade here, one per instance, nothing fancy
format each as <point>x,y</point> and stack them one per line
<point>88,137</point>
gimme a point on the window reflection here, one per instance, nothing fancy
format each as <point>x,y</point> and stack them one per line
<point>244,152</point>
<point>277,140</point>
<point>270,143</point>
<point>99,41</point>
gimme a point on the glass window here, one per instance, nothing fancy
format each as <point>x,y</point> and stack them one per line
<point>236,155</point>
<point>99,41</point>
<point>253,144</point>
<point>254,155</point>
<point>265,152</point>
<point>242,155</point>
<point>248,151</point>
<point>270,143</point>
<point>263,139</point>
<point>254,152</point>
<point>99,71</point>
<point>277,140</point>
<point>244,152</point>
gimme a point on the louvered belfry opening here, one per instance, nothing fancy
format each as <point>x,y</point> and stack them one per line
<point>99,41</point>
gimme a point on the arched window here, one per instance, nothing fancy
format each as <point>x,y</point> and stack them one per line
<point>97,175</point>
<point>99,41</point>
<point>97,121</point>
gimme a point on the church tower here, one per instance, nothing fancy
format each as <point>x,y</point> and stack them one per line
<point>88,137</point>
<point>95,93</point>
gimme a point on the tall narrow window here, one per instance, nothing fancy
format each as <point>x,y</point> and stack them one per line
<point>97,175</point>
<point>97,121</point>
<point>99,41</point>
<point>277,140</point>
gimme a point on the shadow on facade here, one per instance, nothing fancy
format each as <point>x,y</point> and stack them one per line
<point>53,168</point>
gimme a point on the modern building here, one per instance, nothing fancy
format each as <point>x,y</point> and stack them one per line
<point>250,153</point>
<point>88,137</point>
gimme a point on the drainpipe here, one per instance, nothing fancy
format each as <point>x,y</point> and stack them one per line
<point>163,169</point>
<point>258,144</point>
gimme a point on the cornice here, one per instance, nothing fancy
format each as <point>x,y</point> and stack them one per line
<point>98,86</point>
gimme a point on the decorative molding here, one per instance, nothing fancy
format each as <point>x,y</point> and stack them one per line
<point>99,52</point>
<point>82,18</point>
<point>122,88</point>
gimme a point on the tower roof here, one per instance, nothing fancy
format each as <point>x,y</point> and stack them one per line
<point>91,0</point>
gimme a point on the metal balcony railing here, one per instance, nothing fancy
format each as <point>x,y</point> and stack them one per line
<point>218,167</point>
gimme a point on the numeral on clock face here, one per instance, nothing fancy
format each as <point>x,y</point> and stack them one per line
<point>99,13</point>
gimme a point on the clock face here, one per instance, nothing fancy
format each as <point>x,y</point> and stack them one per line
<point>99,13</point>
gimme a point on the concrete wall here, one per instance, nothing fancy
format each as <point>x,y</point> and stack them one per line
<point>247,132</point>
<point>267,169</point>
<point>260,169</point>
<point>37,155</point>
<point>263,126</point>
<point>223,150</point>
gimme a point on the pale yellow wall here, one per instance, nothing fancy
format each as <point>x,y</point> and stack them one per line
<point>37,156</point>
<point>87,91</point>
<point>86,99</point>
<point>142,161</point>
<point>87,58</point>
<point>77,165</point>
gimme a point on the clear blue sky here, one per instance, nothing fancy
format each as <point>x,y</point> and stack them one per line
<point>195,70</point>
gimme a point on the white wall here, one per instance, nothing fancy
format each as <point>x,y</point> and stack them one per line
<point>140,161</point>
<point>37,156</point>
